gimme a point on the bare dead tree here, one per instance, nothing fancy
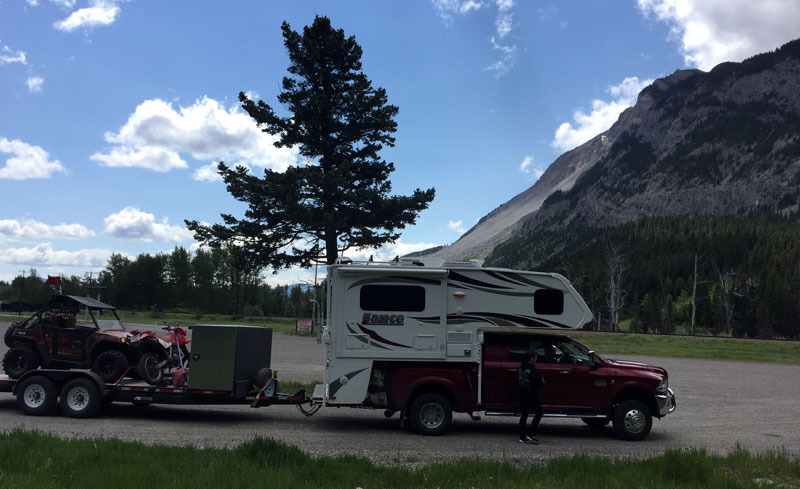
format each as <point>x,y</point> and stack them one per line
<point>727,291</point>
<point>616,267</point>
<point>694,287</point>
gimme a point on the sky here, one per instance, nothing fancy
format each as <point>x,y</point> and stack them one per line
<point>114,113</point>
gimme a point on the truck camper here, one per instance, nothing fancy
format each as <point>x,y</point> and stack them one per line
<point>427,337</point>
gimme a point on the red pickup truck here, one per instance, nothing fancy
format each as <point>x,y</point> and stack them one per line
<point>578,384</point>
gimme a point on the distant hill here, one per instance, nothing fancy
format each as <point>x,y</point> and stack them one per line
<point>726,142</point>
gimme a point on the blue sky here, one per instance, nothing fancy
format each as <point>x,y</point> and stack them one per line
<point>111,111</point>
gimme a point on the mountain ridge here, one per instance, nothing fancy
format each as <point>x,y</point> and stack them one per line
<point>723,142</point>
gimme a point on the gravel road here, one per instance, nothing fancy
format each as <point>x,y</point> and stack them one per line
<point>720,405</point>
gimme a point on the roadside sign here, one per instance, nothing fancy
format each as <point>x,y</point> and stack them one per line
<point>304,326</point>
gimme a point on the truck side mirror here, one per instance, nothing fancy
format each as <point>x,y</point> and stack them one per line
<point>592,358</point>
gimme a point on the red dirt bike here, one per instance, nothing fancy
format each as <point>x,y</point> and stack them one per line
<point>158,356</point>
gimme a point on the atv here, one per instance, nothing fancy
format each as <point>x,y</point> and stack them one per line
<point>52,338</point>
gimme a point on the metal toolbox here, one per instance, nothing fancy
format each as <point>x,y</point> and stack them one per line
<point>227,357</point>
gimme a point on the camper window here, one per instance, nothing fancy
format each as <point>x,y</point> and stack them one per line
<point>393,298</point>
<point>548,302</point>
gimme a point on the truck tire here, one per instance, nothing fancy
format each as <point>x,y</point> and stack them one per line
<point>632,420</point>
<point>80,398</point>
<point>430,414</point>
<point>110,365</point>
<point>149,369</point>
<point>20,359</point>
<point>37,395</point>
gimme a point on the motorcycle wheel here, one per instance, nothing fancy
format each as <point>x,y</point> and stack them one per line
<point>149,369</point>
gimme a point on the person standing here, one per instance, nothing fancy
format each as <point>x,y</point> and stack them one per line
<point>530,382</point>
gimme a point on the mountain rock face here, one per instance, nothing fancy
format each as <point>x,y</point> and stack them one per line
<point>726,142</point>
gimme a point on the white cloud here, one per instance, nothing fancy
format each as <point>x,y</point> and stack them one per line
<point>8,56</point>
<point>207,173</point>
<point>67,4</point>
<point>156,133</point>
<point>388,251</point>
<point>456,226</point>
<point>35,84</point>
<point>100,13</point>
<point>503,23</point>
<point>527,168</point>
<point>31,229</point>
<point>714,31</point>
<point>508,57</point>
<point>43,254</point>
<point>149,157</point>
<point>28,161</point>
<point>602,116</point>
<point>131,223</point>
<point>448,8</point>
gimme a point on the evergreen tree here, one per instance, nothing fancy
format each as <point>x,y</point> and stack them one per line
<point>339,198</point>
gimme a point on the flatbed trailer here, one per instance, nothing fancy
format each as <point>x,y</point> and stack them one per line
<point>80,393</point>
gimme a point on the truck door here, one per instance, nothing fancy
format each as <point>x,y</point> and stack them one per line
<point>573,383</point>
<point>503,355</point>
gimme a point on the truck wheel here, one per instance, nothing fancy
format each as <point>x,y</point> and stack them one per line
<point>632,420</point>
<point>430,414</point>
<point>595,422</point>
<point>80,398</point>
<point>149,369</point>
<point>110,365</point>
<point>20,359</point>
<point>37,395</point>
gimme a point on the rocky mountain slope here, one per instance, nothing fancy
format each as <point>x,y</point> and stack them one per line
<point>726,142</point>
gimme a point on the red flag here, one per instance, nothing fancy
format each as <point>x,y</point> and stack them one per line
<point>53,280</point>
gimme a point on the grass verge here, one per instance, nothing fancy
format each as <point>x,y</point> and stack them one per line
<point>772,351</point>
<point>32,460</point>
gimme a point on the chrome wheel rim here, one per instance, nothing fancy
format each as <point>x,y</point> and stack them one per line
<point>635,421</point>
<point>78,398</point>
<point>34,396</point>
<point>431,415</point>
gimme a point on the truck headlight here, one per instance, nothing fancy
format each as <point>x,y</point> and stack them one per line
<point>663,385</point>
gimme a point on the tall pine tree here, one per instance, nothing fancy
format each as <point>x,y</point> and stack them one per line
<point>340,197</point>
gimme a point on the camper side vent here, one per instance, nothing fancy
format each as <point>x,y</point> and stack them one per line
<point>465,337</point>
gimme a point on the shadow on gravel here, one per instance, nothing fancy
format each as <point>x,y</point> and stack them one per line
<point>463,427</point>
<point>180,414</point>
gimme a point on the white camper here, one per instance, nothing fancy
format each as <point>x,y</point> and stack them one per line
<point>428,311</point>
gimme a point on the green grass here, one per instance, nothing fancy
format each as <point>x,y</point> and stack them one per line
<point>32,460</point>
<point>292,386</point>
<point>283,325</point>
<point>772,351</point>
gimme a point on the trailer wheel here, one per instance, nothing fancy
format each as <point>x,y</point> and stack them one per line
<point>632,420</point>
<point>80,398</point>
<point>37,395</point>
<point>430,414</point>
<point>20,359</point>
<point>110,365</point>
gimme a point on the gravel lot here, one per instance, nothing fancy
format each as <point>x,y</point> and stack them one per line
<point>720,405</point>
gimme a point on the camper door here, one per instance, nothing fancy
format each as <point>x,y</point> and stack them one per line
<point>393,314</point>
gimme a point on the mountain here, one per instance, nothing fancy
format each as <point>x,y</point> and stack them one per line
<point>726,142</point>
